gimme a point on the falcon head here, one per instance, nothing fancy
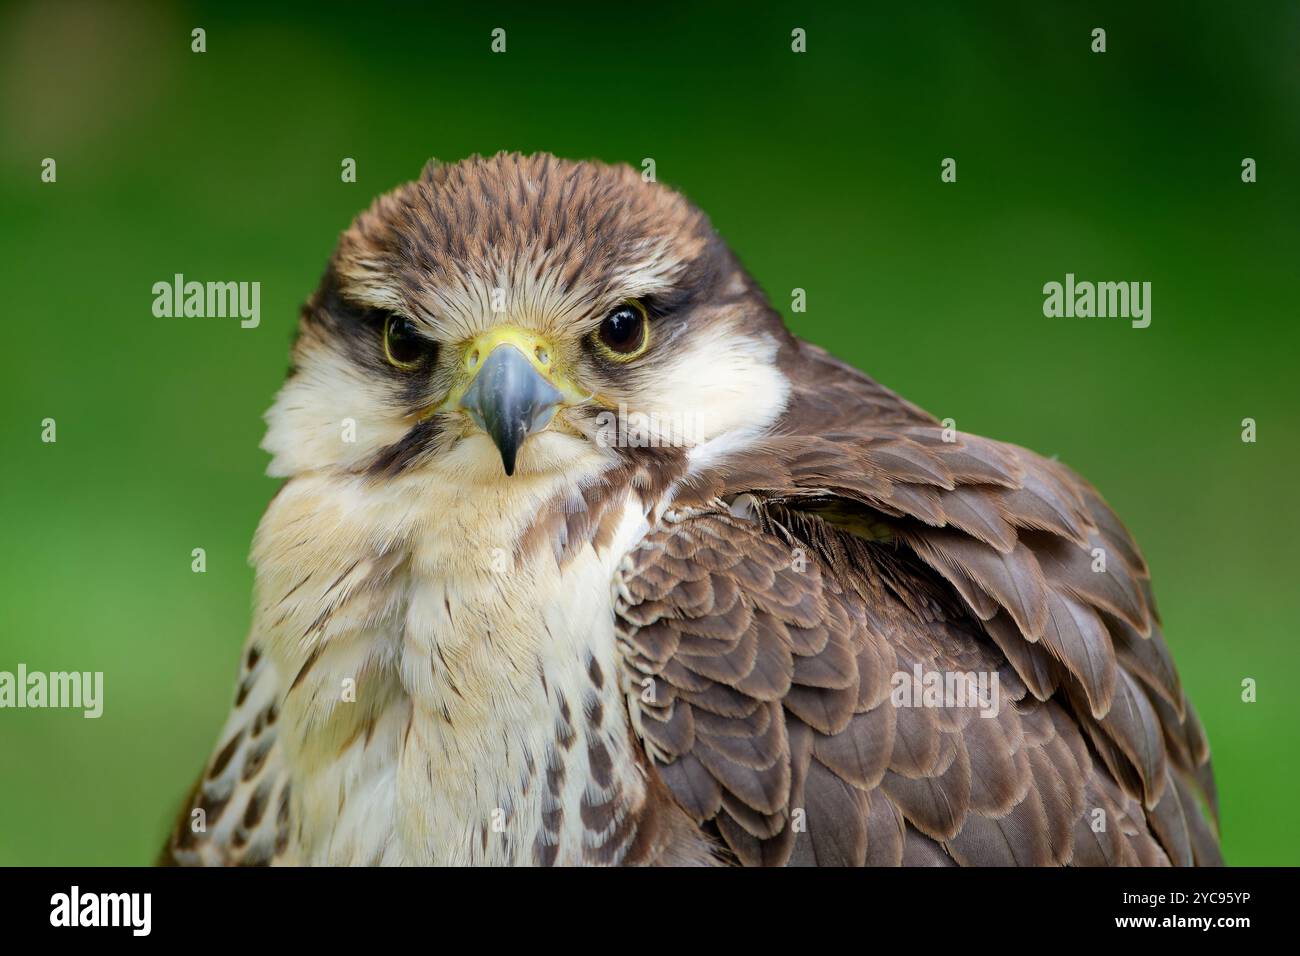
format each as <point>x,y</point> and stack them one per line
<point>521,315</point>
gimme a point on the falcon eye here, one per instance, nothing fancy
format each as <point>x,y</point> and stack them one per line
<point>624,334</point>
<point>403,346</point>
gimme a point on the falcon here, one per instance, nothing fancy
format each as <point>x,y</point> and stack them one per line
<point>583,558</point>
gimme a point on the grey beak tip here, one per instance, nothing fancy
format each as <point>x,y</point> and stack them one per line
<point>510,400</point>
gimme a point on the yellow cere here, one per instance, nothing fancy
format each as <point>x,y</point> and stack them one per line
<point>536,348</point>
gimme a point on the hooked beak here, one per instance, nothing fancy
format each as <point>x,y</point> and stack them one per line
<point>509,399</point>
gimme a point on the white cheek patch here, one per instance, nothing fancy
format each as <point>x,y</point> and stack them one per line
<point>329,415</point>
<point>721,384</point>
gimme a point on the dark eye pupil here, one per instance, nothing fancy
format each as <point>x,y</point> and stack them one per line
<point>621,330</point>
<point>401,340</point>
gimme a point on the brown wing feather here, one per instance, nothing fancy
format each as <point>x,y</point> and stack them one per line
<point>866,541</point>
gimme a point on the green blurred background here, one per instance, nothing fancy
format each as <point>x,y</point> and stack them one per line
<point>822,170</point>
